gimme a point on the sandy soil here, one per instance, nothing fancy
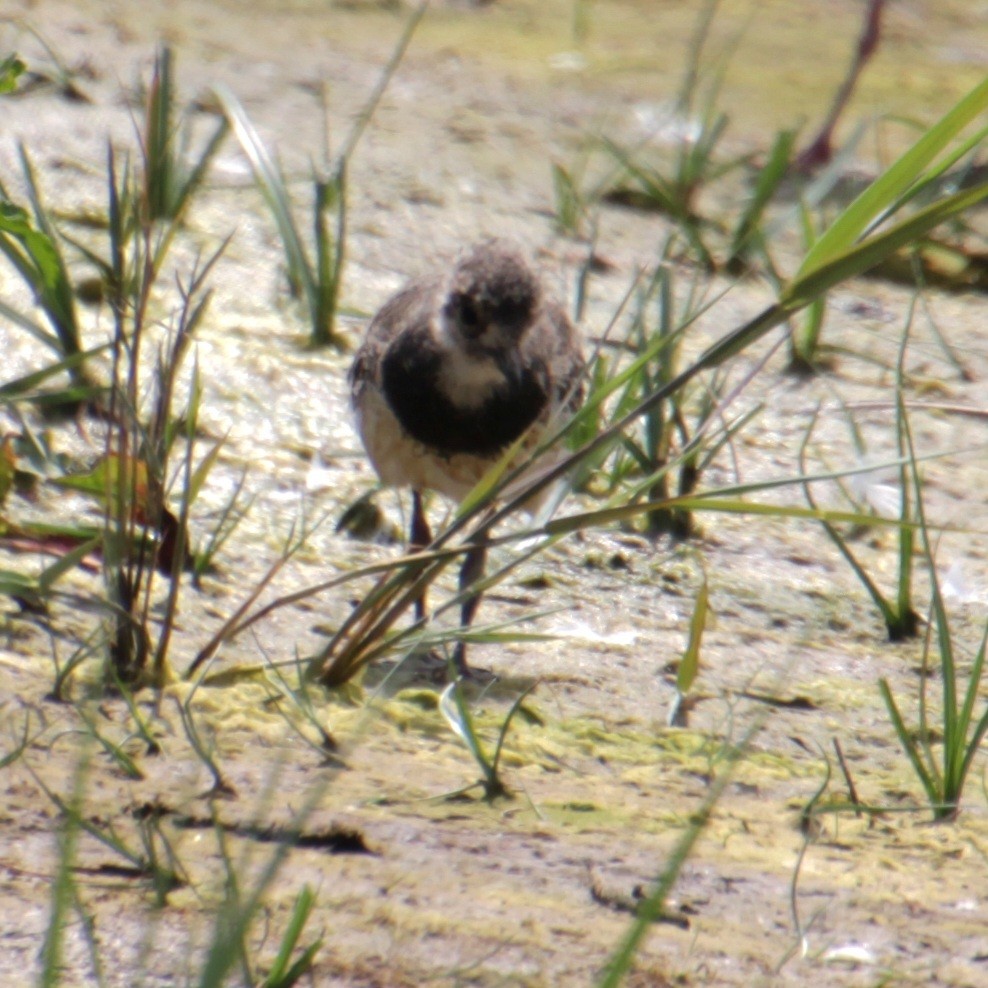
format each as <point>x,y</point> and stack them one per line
<point>413,888</point>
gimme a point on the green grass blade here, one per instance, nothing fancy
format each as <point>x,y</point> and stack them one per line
<point>689,665</point>
<point>23,386</point>
<point>933,793</point>
<point>20,747</point>
<point>892,183</point>
<point>515,707</point>
<point>201,472</point>
<point>330,195</point>
<point>454,709</point>
<point>625,512</point>
<point>63,891</point>
<point>383,81</point>
<point>271,182</point>
<point>194,179</point>
<point>769,178</point>
<point>158,139</point>
<point>838,267</point>
<point>41,334</point>
<point>281,975</point>
<point>930,178</point>
<point>67,562</point>
<point>973,692</point>
<point>55,287</point>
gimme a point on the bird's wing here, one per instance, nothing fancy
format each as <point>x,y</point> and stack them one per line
<point>558,345</point>
<point>410,310</point>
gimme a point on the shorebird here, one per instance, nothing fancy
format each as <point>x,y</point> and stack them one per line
<point>454,369</point>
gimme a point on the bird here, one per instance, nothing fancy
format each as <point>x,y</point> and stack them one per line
<point>452,370</point>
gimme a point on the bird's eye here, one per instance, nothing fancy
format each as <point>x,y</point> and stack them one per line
<point>467,314</point>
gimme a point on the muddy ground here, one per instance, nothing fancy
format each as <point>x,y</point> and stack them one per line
<point>413,888</point>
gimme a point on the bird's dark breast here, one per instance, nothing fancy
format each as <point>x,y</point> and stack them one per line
<point>410,377</point>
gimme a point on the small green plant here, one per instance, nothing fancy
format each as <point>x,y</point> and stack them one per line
<point>31,245</point>
<point>667,449</point>
<point>317,281</point>
<point>203,749</point>
<point>454,707</point>
<point>901,621</point>
<point>942,775</point>
<point>673,188</point>
<point>298,696</point>
<point>143,535</point>
<point>689,664</point>
<point>283,972</point>
<point>11,68</point>
<point>135,473</point>
<point>170,178</point>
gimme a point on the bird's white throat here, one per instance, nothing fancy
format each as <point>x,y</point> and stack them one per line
<point>469,380</point>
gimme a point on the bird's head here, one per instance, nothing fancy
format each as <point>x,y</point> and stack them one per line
<point>491,300</point>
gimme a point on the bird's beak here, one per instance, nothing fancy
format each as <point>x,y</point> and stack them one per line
<point>510,364</point>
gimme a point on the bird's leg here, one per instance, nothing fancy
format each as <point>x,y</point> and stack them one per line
<point>419,537</point>
<point>470,572</point>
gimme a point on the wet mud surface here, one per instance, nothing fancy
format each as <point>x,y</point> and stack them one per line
<point>415,886</point>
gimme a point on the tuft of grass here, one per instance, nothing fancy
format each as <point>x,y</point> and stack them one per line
<point>901,620</point>
<point>943,776</point>
<point>454,708</point>
<point>316,279</point>
<point>283,972</point>
<point>137,472</point>
<point>143,536</point>
<point>667,452</point>
<point>170,177</point>
<point>31,245</point>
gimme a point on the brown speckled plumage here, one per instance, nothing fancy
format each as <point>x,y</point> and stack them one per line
<point>436,408</point>
<point>452,371</point>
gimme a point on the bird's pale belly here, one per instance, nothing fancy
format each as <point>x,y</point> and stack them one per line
<point>402,461</point>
